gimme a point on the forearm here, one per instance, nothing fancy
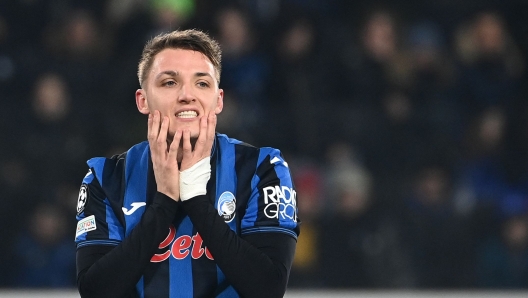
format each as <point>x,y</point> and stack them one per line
<point>98,267</point>
<point>255,268</point>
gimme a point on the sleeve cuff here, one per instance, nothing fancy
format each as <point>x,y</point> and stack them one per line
<point>195,205</point>
<point>165,202</point>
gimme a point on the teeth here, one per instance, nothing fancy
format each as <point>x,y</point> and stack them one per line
<point>187,114</point>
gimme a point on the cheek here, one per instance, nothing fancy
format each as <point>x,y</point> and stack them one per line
<point>207,104</point>
<point>213,104</point>
<point>155,103</point>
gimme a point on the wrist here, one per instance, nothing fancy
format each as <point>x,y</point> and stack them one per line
<point>193,181</point>
<point>172,195</point>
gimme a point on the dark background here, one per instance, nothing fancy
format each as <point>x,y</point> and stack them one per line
<point>404,123</point>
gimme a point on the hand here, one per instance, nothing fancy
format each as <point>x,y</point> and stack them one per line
<point>195,165</point>
<point>164,161</point>
<point>203,145</point>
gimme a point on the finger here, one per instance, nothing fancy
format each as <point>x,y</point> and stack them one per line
<point>149,123</point>
<point>200,146</point>
<point>152,131</point>
<point>187,148</point>
<point>153,135</point>
<point>152,138</point>
<point>211,129</point>
<point>173,150</point>
<point>162,137</point>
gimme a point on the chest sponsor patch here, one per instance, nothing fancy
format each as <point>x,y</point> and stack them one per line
<point>85,225</point>
<point>181,247</point>
<point>226,206</point>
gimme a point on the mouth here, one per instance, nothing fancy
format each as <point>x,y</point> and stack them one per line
<point>187,114</point>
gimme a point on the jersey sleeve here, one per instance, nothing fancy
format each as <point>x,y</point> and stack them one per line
<point>272,206</point>
<point>97,223</point>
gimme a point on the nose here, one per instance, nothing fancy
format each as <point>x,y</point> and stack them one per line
<point>186,95</point>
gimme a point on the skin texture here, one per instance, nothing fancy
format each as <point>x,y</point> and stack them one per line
<point>179,80</point>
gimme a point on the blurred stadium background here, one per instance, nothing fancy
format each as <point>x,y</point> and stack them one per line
<point>405,124</point>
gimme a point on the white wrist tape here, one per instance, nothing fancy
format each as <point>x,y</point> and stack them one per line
<point>193,181</point>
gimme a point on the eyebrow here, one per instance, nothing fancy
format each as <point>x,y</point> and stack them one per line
<point>173,73</point>
<point>203,74</point>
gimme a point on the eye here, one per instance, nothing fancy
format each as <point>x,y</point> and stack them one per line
<point>169,83</point>
<point>203,84</point>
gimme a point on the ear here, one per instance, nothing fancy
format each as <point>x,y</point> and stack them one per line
<point>219,102</point>
<point>141,102</point>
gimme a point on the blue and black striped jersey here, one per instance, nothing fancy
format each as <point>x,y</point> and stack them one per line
<point>251,189</point>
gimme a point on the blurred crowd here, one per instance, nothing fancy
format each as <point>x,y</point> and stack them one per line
<point>405,126</point>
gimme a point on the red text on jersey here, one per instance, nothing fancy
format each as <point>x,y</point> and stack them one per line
<point>181,247</point>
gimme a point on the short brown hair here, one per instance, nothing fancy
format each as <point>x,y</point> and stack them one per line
<point>191,39</point>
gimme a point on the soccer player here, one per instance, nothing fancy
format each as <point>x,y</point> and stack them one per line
<point>190,212</point>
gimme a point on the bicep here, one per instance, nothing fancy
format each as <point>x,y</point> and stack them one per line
<point>88,255</point>
<point>279,247</point>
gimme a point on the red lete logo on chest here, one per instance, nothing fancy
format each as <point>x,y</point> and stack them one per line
<point>181,247</point>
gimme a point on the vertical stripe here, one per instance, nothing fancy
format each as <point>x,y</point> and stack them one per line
<point>226,181</point>
<point>252,209</point>
<point>246,165</point>
<point>227,290</point>
<point>226,178</point>
<point>97,163</point>
<point>283,172</point>
<point>204,272</point>
<point>115,230</point>
<point>181,277</point>
<point>267,213</point>
<point>140,287</point>
<point>114,170</point>
<point>97,205</point>
<point>136,170</point>
<point>156,280</point>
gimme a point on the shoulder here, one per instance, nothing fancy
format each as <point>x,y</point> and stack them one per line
<point>223,141</point>
<point>243,151</point>
<point>105,168</point>
<point>138,149</point>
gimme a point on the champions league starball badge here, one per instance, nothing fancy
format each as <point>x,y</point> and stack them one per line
<point>226,206</point>
<point>81,200</point>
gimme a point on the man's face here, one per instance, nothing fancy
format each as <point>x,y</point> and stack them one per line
<point>181,84</point>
